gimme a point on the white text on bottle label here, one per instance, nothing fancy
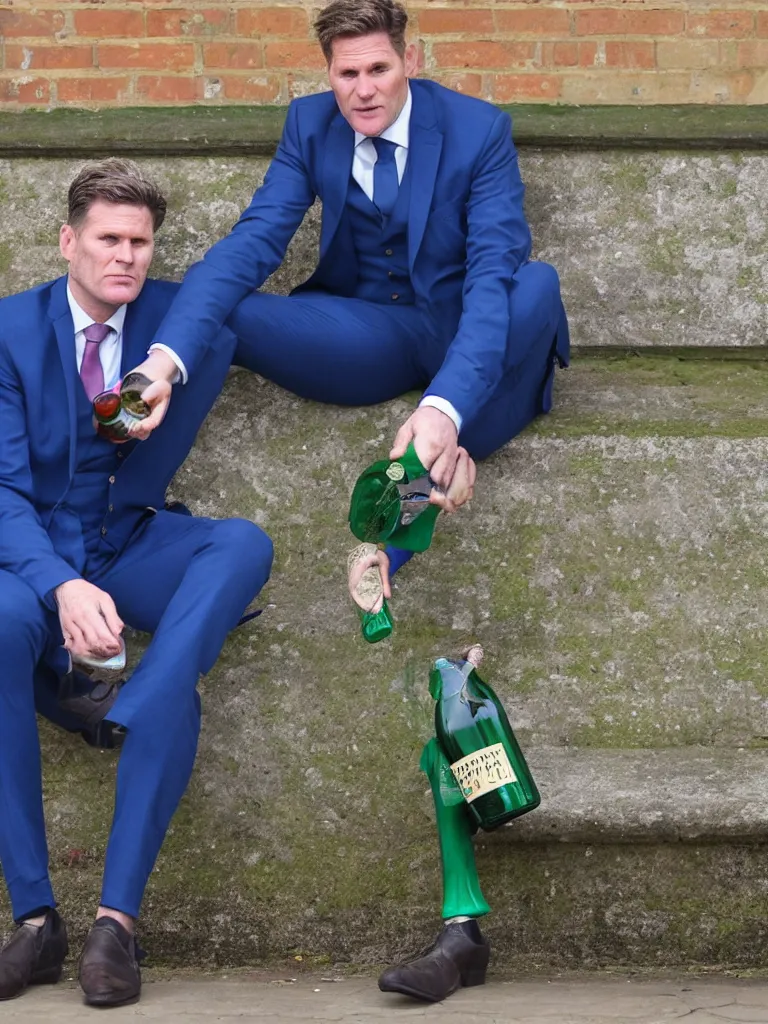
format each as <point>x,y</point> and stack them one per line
<point>483,771</point>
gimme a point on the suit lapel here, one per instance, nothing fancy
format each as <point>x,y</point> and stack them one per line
<point>64,328</point>
<point>337,167</point>
<point>425,145</point>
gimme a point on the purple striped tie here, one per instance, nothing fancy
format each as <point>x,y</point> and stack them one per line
<point>91,372</point>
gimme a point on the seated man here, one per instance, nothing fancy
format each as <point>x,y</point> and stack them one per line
<point>86,546</point>
<point>424,279</point>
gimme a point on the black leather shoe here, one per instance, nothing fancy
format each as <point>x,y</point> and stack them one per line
<point>90,700</point>
<point>33,956</point>
<point>459,957</point>
<point>109,972</point>
<point>105,735</point>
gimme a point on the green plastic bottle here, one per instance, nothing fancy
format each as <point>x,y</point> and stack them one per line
<point>474,733</point>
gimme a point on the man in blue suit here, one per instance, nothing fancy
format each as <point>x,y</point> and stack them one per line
<point>86,545</point>
<point>424,280</point>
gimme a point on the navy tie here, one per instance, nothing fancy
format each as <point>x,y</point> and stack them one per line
<point>385,182</point>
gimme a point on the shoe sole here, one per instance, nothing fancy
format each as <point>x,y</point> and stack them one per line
<point>468,980</point>
<point>47,977</point>
<point>104,1001</point>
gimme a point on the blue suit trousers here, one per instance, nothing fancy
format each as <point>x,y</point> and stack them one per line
<point>352,352</point>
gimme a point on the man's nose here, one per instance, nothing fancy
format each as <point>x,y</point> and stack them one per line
<point>125,252</point>
<point>365,88</point>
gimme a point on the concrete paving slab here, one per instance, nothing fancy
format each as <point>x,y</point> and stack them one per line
<point>357,1001</point>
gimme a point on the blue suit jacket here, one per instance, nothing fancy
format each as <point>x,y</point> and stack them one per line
<point>40,539</point>
<point>467,232</point>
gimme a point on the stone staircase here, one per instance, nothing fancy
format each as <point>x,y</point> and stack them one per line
<point>613,564</point>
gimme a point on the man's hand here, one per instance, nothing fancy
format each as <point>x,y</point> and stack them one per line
<point>461,487</point>
<point>435,439</point>
<point>369,594</point>
<point>89,621</point>
<point>162,371</point>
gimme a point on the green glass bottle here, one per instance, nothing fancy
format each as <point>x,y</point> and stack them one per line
<point>390,503</point>
<point>376,626</point>
<point>116,410</point>
<point>368,594</point>
<point>474,732</point>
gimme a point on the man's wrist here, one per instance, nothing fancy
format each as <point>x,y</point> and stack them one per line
<point>160,365</point>
<point>444,406</point>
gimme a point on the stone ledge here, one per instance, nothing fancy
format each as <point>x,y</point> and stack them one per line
<point>254,131</point>
<point>647,796</point>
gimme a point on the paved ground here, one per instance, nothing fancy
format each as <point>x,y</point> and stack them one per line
<point>605,1000</point>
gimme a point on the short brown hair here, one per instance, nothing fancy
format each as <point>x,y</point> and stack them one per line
<point>359,18</point>
<point>113,180</point>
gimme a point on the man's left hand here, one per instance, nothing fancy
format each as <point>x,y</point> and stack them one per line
<point>461,487</point>
<point>162,371</point>
<point>435,439</point>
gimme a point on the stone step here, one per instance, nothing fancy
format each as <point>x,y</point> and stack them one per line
<point>613,566</point>
<point>654,247</point>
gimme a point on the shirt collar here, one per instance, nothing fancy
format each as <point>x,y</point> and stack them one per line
<point>398,130</point>
<point>82,320</point>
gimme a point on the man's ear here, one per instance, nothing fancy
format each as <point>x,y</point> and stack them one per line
<point>412,59</point>
<point>66,241</point>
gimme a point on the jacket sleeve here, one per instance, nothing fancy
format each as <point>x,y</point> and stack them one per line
<point>498,242</point>
<point>25,547</point>
<point>245,258</point>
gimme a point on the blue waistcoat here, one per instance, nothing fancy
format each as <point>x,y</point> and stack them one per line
<point>96,461</point>
<point>381,246</point>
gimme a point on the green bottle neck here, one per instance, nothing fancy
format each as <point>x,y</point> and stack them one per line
<point>448,678</point>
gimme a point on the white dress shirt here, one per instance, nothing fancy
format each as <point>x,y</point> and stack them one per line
<point>111,349</point>
<point>363,163</point>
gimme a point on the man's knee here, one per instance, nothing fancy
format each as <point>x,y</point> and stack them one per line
<point>23,626</point>
<point>244,546</point>
<point>535,304</point>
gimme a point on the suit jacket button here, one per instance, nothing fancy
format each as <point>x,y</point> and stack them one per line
<point>111,479</point>
<point>395,296</point>
<point>388,252</point>
<point>103,531</point>
<point>110,508</point>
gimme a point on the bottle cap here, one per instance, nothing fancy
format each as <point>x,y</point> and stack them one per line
<point>390,502</point>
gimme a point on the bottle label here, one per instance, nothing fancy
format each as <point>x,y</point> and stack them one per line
<point>483,771</point>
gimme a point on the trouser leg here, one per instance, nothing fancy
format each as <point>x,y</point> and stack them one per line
<point>329,348</point>
<point>538,336</point>
<point>188,581</point>
<point>26,629</point>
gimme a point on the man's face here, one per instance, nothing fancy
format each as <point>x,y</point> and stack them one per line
<point>108,255</point>
<point>370,80</point>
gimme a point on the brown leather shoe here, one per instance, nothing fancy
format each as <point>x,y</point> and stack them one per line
<point>109,972</point>
<point>33,956</point>
<point>458,957</point>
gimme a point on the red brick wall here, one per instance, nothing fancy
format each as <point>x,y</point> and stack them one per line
<point>138,52</point>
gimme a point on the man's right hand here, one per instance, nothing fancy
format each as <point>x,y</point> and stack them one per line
<point>89,621</point>
<point>162,371</point>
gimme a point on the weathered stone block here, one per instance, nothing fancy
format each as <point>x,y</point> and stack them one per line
<point>652,248</point>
